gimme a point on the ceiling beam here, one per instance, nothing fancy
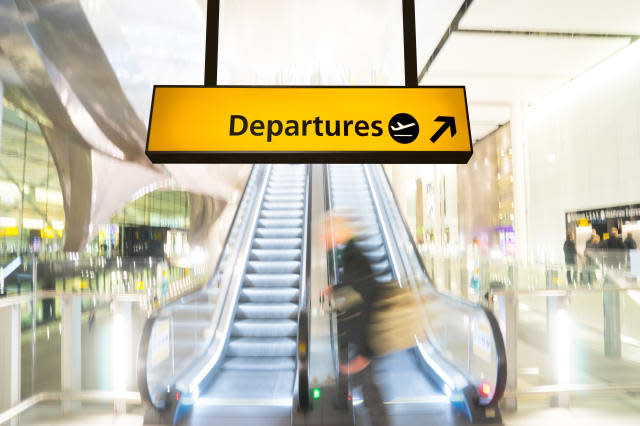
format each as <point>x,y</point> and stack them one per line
<point>633,37</point>
<point>452,27</point>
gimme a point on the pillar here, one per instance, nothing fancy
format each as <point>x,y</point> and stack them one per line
<point>10,349</point>
<point>558,343</point>
<point>519,165</point>
<point>122,353</point>
<point>612,326</point>
<point>71,350</point>
<point>506,311</point>
<point>1,109</point>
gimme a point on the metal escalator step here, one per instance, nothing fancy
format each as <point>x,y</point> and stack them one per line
<point>270,295</point>
<point>384,278</point>
<point>282,205</point>
<point>268,255</point>
<point>267,310</point>
<point>285,189</point>
<point>277,243</point>
<point>273,267</point>
<point>259,363</point>
<point>264,328</point>
<point>281,214</point>
<point>381,267</point>
<point>284,197</point>
<point>272,280</point>
<point>279,232</point>
<point>376,255</point>
<point>369,243</point>
<point>280,223</point>
<point>261,346</point>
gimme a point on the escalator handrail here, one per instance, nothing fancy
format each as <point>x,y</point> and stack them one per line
<point>332,270</point>
<point>143,346</point>
<point>501,377</point>
<point>302,353</point>
<point>217,345</point>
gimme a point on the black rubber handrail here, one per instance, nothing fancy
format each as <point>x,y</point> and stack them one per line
<point>143,346</point>
<point>332,271</point>
<point>501,379</point>
<point>304,311</point>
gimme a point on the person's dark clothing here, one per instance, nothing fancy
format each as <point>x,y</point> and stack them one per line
<point>360,277</point>
<point>353,326</point>
<point>615,243</point>
<point>630,243</point>
<point>616,252</point>
<point>570,257</point>
<point>590,244</point>
<point>372,399</point>
<point>570,252</point>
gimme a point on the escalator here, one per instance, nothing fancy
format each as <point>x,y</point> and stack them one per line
<point>434,382</point>
<point>236,352</point>
<point>243,351</point>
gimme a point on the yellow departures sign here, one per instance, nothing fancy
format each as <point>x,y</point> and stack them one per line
<point>309,124</point>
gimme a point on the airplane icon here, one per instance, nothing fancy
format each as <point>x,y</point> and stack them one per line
<point>401,126</point>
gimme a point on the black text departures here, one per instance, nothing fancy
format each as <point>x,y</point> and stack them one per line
<point>240,124</point>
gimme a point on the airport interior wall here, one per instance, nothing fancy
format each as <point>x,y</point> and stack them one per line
<point>583,146</point>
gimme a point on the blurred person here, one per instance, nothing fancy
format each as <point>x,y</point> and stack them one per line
<point>616,250</point>
<point>629,242</point>
<point>92,318</point>
<point>591,257</point>
<point>357,292</point>
<point>591,241</point>
<point>570,257</point>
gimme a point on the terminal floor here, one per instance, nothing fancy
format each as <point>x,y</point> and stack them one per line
<point>608,410</point>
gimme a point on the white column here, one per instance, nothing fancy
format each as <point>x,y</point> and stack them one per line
<point>71,349</point>
<point>1,109</point>
<point>506,311</point>
<point>520,178</point>
<point>122,353</point>
<point>10,356</point>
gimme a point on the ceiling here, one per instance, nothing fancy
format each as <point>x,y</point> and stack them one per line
<point>503,51</point>
<point>507,51</point>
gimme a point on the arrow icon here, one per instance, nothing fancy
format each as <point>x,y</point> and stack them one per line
<point>448,122</point>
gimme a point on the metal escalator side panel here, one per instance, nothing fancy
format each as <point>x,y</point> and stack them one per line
<point>301,389</point>
<point>197,377</point>
<point>162,351</point>
<point>474,321</point>
<point>257,367</point>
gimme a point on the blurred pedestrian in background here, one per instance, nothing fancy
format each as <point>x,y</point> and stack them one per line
<point>629,242</point>
<point>570,257</point>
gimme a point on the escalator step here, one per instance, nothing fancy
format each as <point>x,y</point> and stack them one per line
<point>272,280</point>
<point>279,232</point>
<point>260,363</point>
<point>267,310</point>
<point>261,347</point>
<point>265,328</point>
<point>284,197</point>
<point>270,295</point>
<point>277,243</point>
<point>268,255</point>
<point>273,267</point>
<point>282,205</point>
<point>280,223</point>
<point>285,189</point>
<point>281,214</point>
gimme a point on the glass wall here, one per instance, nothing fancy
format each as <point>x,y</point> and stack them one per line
<point>153,225</point>
<point>31,206</point>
